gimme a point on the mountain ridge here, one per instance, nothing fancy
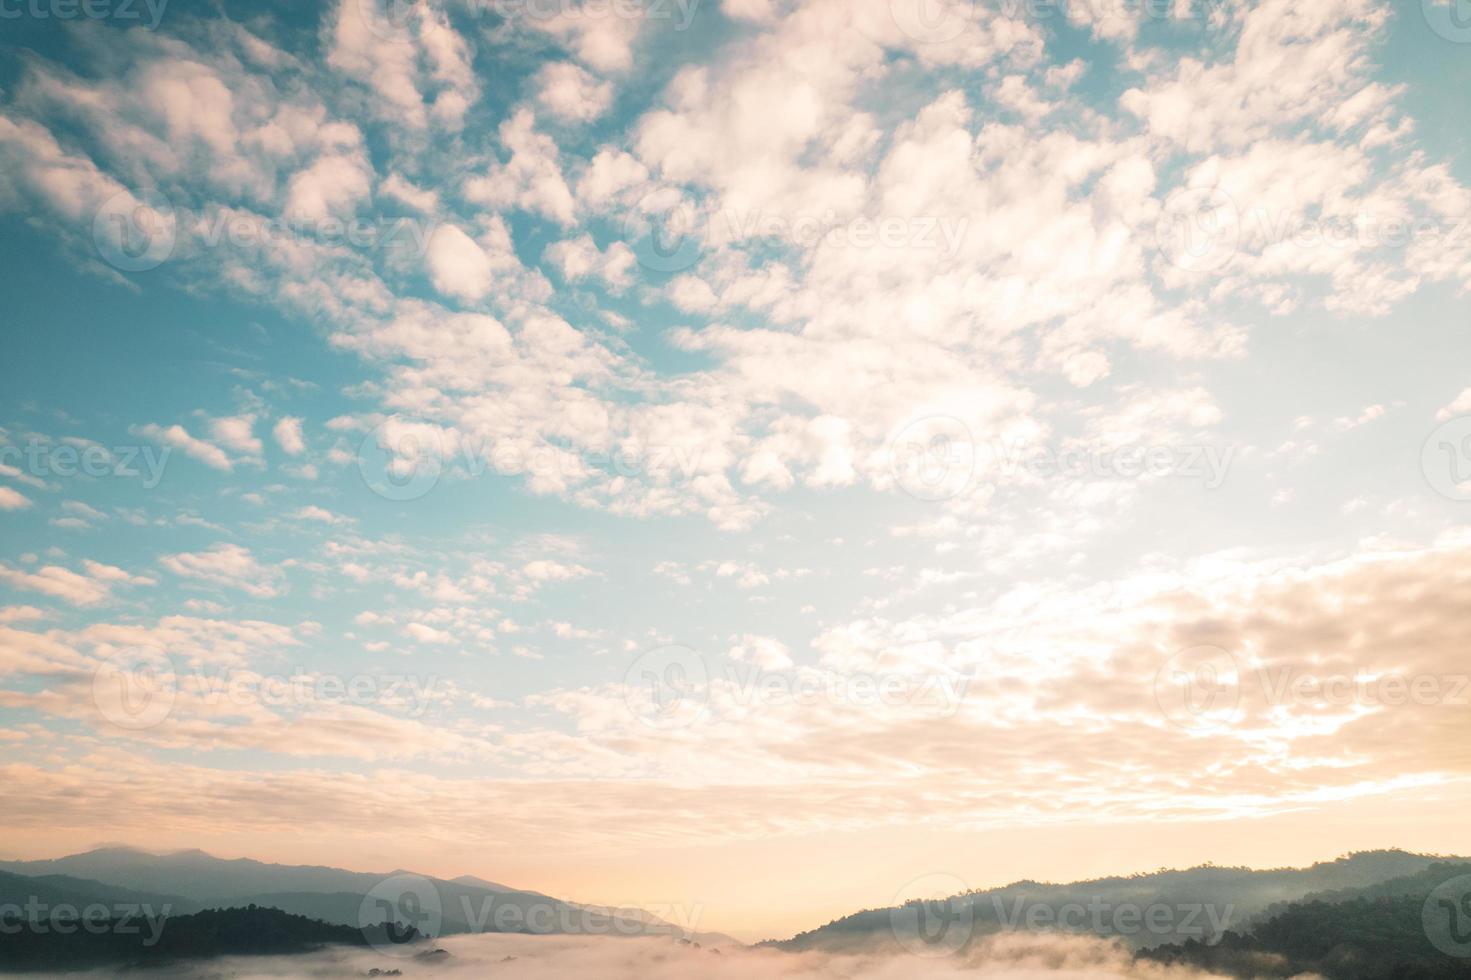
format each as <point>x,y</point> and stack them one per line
<point>194,880</point>
<point>1239,894</point>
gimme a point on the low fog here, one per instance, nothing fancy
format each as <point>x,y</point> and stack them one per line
<point>1013,957</point>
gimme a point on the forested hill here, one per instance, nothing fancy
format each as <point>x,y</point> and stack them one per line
<point>152,940</point>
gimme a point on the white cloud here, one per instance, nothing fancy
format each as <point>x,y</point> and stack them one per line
<point>236,432</point>
<point>332,187</point>
<point>600,35</point>
<point>547,570</point>
<point>288,435</point>
<point>458,266</point>
<point>179,438</point>
<point>531,179</point>
<point>568,92</point>
<point>580,258</point>
<point>765,652</point>
<point>90,587</point>
<point>428,634</point>
<point>1460,405</point>
<point>311,512</point>
<point>229,565</point>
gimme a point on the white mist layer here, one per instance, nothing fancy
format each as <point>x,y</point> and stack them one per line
<point>1007,957</point>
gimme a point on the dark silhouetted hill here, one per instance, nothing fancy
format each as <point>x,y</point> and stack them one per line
<point>1230,897</point>
<point>120,944</point>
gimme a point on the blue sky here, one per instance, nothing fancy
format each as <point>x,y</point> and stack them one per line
<point>788,343</point>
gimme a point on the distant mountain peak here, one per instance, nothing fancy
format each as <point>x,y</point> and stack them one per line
<point>475,882</point>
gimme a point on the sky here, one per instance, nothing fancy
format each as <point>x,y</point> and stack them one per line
<point>749,454</point>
